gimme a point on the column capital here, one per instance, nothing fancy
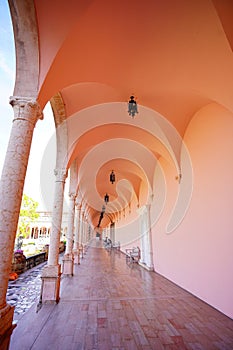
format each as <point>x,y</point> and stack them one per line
<point>78,201</point>
<point>78,205</point>
<point>72,196</point>
<point>26,108</point>
<point>61,175</point>
<point>144,209</point>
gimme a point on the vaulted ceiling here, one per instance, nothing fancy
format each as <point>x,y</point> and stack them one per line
<point>174,56</point>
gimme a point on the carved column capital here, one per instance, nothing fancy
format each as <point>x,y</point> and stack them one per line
<point>61,175</point>
<point>72,196</point>
<point>26,108</point>
<point>78,201</point>
<point>78,206</point>
<point>145,209</point>
<point>83,212</point>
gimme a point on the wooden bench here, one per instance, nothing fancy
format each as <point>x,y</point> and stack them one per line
<point>133,254</point>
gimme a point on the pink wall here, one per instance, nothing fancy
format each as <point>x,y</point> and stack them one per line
<point>198,255</point>
<point>128,233</point>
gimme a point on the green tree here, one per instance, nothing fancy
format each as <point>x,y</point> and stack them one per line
<point>27,214</point>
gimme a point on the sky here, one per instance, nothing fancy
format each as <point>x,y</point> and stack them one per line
<point>44,128</point>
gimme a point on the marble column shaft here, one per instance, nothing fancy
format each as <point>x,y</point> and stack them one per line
<point>146,237</point>
<point>76,251</point>
<point>84,230</point>
<point>68,259</point>
<point>51,273</point>
<point>81,227</point>
<point>143,234</point>
<point>53,256</point>
<point>77,227</point>
<point>70,231</point>
<point>112,232</point>
<point>150,248</point>
<point>26,113</point>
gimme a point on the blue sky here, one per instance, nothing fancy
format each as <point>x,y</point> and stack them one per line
<point>44,129</point>
<point>7,73</point>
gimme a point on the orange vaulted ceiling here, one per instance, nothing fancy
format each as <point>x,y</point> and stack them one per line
<point>175,56</point>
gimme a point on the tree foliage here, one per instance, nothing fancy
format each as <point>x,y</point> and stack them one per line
<point>27,214</point>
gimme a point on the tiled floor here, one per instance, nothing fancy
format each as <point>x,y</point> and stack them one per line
<point>109,304</point>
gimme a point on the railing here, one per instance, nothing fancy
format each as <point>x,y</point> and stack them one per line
<point>35,260</point>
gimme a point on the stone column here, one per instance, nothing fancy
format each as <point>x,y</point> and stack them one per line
<point>142,232</point>
<point>51,273</point>
<point>112,232</point>
<point>150,263</point>
<point>146,238</point>
<point>76,235</point>
<point>26,113</point>
<point>81,234</point>
<point>80,227</point>
<point>68,260</point>
<point>86,235</point>
<point>85,230</point>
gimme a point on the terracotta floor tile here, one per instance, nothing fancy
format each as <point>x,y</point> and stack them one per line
<point>109,305</point>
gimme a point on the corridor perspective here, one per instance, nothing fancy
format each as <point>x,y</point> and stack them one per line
<point>140,96</point>
<point>112,304</point>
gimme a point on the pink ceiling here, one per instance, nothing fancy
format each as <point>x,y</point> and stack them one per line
<point>151,50</point>
<point>176,57</point>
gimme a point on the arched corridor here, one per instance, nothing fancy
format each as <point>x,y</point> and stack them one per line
<point>111,304</point>
<point>141,90</point>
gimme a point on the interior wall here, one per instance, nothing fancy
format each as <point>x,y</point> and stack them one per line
<point>197,255</point>
<point>127,231</point>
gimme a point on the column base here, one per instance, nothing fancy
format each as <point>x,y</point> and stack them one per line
<point>50,289</point>
<point>6,326</point>
<point>85,247</point>
<point>81,251</point>
<point>68,265</point>
<point>148,268</point>
<point>76,256</point>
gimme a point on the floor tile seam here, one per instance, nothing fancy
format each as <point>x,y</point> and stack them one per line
<point>50,314</point>
<point>119,299</point>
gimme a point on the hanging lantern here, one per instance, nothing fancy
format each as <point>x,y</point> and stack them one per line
<point>106,198</point>
<point>112,177</point>
<point>132,107</point>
